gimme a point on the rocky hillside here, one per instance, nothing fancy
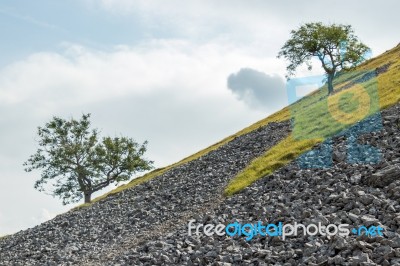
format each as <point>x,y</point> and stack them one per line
<point>356,194</point>
<point>126,219</point>
<point>147,224</point>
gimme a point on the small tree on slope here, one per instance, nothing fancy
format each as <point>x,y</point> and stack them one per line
<point>75,163</point>
<point>334,45</point>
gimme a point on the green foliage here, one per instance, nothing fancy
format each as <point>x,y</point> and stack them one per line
<point>334,45</point>
<point>76,163</point>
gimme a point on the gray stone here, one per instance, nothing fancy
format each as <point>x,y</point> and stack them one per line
<point>211,254</point>
<point>355,218</point>
<point>340,243</point>
<point>369,220</point>
<point>367,199</point>
<point>384,177</point>
<point>361,258</point>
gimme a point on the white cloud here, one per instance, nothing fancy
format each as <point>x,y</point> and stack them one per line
<point>81,75</point>
<point>263,23</point>
<point>240,23</point>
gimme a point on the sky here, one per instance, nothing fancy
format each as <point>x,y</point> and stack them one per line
<point>180,74</point>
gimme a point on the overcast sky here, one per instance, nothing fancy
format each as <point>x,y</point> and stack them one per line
<point>180,74</point>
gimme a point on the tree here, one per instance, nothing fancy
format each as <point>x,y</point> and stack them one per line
<point>76,163</point>
<point>334,45</point>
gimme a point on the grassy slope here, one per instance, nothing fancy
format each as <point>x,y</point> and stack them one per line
<point>289,148</point>
<point>315,120</point>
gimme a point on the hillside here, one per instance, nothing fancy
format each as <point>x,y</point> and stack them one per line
<point>251,176</point>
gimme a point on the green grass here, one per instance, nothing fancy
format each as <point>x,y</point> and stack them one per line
<point>276,157</point>
<point>316,118</point>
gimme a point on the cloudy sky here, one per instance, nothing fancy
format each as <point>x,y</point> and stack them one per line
<point>180,74</point>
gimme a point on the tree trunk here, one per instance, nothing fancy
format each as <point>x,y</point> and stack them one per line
<point>330,84</point>
<point>88,196</point>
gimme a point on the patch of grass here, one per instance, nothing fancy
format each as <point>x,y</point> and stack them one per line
<point>276,157</point>
<point>316,118</point>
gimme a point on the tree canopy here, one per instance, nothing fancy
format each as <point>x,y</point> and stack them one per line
<point>75,163</point>
<point>335,45</point>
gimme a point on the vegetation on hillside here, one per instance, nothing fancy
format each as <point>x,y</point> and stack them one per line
<point>318,122</point>
<point>76,163</point>
<point>335,45</point>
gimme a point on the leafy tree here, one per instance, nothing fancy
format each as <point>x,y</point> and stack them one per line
<point>334,45</point>
<point>76,163</point>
